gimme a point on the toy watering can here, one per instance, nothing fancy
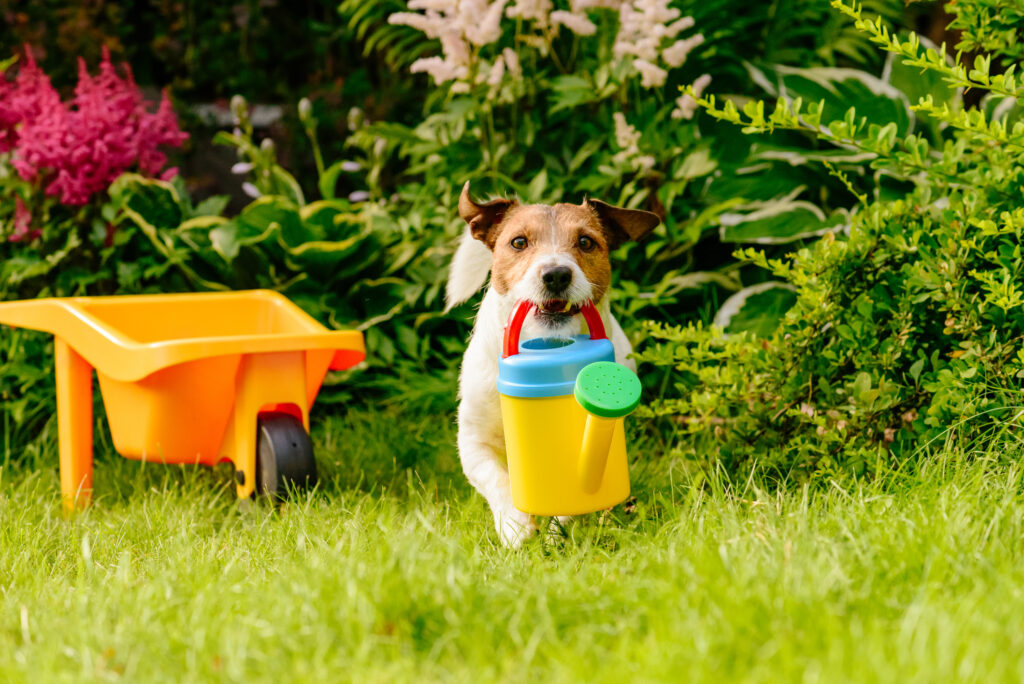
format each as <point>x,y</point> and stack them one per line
<point>562,403</point>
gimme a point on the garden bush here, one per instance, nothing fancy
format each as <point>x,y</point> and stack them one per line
<point>583,103</point>
<point>906,330</point>
<point>557,101</point>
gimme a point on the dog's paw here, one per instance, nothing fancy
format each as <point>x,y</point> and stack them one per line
<point>514,527</point>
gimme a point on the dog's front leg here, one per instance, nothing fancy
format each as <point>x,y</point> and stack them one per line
<point>483,462</point>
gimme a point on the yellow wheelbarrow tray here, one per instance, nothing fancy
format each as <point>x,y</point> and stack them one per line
<point>185,378</point>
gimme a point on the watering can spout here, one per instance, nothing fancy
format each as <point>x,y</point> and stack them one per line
<point>607,392</point>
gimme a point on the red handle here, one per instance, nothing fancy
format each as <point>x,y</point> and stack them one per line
<point>514,326</point>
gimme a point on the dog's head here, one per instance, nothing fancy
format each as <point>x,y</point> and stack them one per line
<point>555,256</point>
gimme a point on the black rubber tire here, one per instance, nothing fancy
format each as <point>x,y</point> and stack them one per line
<point>284,456</point>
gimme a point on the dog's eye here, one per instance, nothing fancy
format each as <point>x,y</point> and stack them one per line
<point>518,243</point>
<point>586,243</point>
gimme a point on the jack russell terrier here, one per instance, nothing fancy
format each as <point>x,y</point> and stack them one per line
<point>555,256</point>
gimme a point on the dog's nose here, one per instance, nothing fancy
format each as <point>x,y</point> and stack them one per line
<point>557,279</point>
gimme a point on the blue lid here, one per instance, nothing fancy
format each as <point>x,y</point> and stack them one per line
<point>548,366</point>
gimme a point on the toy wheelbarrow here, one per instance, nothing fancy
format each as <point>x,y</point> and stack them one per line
<point>189,378</point>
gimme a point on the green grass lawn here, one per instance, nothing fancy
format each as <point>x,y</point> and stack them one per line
<point>392,572</point>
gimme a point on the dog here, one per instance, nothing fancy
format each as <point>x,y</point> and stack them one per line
<point>555,256</point>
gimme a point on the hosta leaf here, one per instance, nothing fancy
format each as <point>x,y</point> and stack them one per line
<point>202,223</point>
<point>696,164</point>
<point>780,221</point>
<point>757,309</point>
<point>230,237</point>
<point>329,180</point>
<point>153,204</point>
<point>211,206</point>
<point>323,257</point>
<point>331,219</point>
<point>287,185</point>
<point>916,83</point>
<point>261,214</point>
<point>840,89</point>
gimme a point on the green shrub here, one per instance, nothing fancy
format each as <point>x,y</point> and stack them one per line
<point>557,101</point>
<point>575,120</point>
<point>906,330</point>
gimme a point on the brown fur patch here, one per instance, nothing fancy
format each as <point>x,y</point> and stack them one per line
<point>550,229</point>
<point>577,221</point>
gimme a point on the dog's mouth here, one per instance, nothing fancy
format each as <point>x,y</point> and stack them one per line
<point>557,308</point>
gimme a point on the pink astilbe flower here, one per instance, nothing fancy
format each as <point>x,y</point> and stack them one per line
<point>23,223</point>
<point>25,98</point>
<point>77,148</point>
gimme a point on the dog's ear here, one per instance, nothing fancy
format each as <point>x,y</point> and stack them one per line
<point>623,225</point>
<point>483,218</point>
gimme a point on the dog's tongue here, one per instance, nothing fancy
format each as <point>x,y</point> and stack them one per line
<point>556,306</point>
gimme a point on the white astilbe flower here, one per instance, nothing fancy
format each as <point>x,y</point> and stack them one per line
<point>644,25</point>
<point>423,23</point>
<point>531,10</point>
<point>651,75</point>
<point>686,106</point>
<point>625,135</point>
<point>457,24</point>
<point>579,5</point>
<point>577,23</point>
<point>482,23</point>
<point>677,27</point>
<point>628,139</point>
<point>512,62</point>
<point>675,54</point>
<point>497,72</point>
<point>442,70</point>
<point>455,49</point>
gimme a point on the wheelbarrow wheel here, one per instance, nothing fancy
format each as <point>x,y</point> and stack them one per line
<point>284,456</point>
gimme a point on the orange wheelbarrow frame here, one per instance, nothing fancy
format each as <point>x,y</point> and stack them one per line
<point>184,377</point>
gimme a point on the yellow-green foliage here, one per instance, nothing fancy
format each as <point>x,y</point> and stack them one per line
<point>908,328</point>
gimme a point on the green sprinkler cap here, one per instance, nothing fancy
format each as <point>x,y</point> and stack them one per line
<point>607,389</point>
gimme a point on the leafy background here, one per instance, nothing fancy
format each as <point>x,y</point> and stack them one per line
<point>358,177</point>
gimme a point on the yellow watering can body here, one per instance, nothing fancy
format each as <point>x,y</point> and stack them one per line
<point>564,439</point>
<point>543,439</point>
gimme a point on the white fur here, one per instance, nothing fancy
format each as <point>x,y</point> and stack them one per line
<point>470,265</point>
<point>481,437</point>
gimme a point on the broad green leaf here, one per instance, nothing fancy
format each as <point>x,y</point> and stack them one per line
<point>225,240</point>
<point>228,238</point>
<point>757,309</point>
<point>153,204</point>
<point>917,83</point>
<point>258,217</point>
<point>329,180</point>
<point>202,223</point>
<point>539,183</point>
<point>696,164</point>
<point>840,89</point>
<point>330,220</point>
<point>780,221</point>
<point>697,280</point>
<point>584,153</point>
<point>211,206</point>
<point>287,185</point>
<point>324,257</point>
<point>571,91</point>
